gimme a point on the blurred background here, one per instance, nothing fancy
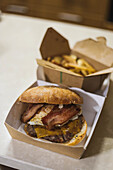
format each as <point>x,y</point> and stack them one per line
<point>96,13</point>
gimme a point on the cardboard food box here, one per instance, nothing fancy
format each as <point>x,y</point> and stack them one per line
<point>91,109</point>
<point>95,52</point>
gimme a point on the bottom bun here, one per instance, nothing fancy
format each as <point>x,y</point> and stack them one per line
<point>78,137</point>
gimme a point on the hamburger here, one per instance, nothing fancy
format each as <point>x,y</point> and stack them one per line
<point>54,114</point>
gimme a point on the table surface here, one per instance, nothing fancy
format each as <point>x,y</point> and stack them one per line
<point>20,39</point>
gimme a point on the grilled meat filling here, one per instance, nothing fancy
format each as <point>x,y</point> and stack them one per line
<point>30,112</point>
<point>59,116</point>
<point>59,134</point>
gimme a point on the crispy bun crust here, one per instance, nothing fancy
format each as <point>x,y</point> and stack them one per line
<point>50,95</point>
<point>79,136</point>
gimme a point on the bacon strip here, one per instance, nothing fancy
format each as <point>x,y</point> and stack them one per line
<point>59,116</point>
<point>31,110</point>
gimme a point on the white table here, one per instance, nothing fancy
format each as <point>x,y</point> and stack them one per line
<point>20,39</point>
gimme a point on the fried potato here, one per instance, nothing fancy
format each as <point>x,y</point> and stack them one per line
<point>79,67</point>
<point>82,62</point>
<point>57,60</point>
<point>49,59</point>
<point>73,63</point>
<point>84,72</point>
<point>64,63</point>
<point>70,59</point>
<point>75,70</point>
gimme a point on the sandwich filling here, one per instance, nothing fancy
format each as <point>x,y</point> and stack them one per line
<point>61,134</point>
<point>56,123</point>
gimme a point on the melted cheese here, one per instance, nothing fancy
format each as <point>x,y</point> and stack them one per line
<point>73,127</point>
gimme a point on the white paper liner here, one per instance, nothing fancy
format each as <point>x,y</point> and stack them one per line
<point>91,109</point>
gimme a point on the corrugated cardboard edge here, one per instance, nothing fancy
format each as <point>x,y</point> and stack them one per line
<point>65,150</point>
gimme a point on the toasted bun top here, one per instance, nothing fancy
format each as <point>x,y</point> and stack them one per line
<point>50,95</point>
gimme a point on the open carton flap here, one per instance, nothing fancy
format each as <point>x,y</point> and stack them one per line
<point>54,44</point>
<point>96,49</point>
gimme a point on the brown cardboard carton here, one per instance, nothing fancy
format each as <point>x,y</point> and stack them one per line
<point>91,114</point>
<point>95,52</point>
